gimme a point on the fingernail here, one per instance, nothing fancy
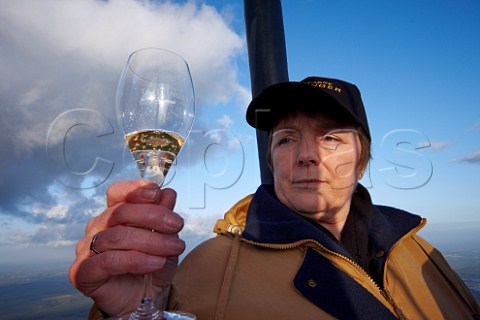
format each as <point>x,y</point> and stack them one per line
<point>149,193</point>
<point>173,221</point>
<point>175,243</point>
<point>155,261</point>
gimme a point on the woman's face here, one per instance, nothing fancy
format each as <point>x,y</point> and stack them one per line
<point>315,166</point>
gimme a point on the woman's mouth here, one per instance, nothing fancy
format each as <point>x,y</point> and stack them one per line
<point>307,183</point>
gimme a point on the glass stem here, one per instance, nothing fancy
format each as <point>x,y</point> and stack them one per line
<point>147,286</point>
<point>147,310</point>
<point>147,282</point>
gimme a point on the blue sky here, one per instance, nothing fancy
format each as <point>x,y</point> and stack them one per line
<point>416,64</point>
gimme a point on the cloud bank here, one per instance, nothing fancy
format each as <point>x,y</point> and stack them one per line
<point>60,64</point>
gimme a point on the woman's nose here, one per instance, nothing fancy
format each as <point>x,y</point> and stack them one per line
<point>308,152</point>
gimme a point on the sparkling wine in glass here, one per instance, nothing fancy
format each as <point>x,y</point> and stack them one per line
<point>155,105</point>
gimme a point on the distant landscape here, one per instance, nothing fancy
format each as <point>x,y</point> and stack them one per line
<point>46,293</point>
<point>467,264</point>
<point>43,293</point>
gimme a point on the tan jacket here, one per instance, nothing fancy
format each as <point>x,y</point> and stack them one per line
<point>230,278</point>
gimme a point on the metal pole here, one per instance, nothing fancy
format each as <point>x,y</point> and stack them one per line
<point>267,58</point>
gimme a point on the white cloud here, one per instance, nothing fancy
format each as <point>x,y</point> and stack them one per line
<point>58,211</point>
<point>225,122</point>
<point>473,158</point>
<point>198,229</point>
<point>12,235</point>
<point>475,127</point>
<point>436,145</point>
<point>32,95</point>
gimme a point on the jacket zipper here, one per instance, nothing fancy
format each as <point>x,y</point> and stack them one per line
<point>384,292</point>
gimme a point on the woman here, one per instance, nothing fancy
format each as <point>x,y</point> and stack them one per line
<point>312,245</point>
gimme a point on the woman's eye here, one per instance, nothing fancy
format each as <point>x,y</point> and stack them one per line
<point>284,141</point>
<point>330,142</point>
<point>285,137</point>
<point>329,138</point>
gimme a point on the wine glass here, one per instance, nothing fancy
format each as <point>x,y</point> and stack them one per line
<point>155,104</point>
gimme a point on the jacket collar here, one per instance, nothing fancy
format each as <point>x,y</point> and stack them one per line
<point>270,222</point>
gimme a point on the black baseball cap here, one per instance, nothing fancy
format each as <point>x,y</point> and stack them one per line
<point>336,97</point>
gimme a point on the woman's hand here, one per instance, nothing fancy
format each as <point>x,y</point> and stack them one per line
<point>128,247</point>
